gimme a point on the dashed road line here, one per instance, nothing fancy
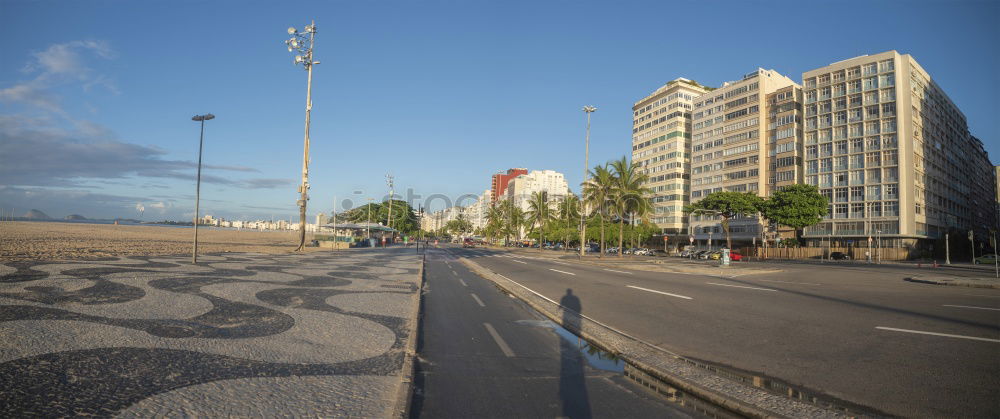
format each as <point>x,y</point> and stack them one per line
<point>740,286</point>
<point>621,272</point>
<point>476,297</point>
<point>499,340</point>
<point>921,332</point>
<point>973,307</point>
<point>463,282</point>
<point>562,272</point>
<point>785,282</point>
<point>660,292</point>
<point>520,261</point>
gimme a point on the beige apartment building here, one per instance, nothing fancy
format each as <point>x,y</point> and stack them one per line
<point>661,146</point>
<point>893,155</point>
<point>732,147</point>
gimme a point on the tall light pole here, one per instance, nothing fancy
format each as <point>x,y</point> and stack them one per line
<point>197,188</point>
<point>368,224</point>
<point>586,166</point>
<point>297,43</point>
<point>388,221</point>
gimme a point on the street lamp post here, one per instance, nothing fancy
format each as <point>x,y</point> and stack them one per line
<point>388,221</point>
<point>368,224</point>
<point>586,166</point>
<point>197,188</point>
<point>297,43</point>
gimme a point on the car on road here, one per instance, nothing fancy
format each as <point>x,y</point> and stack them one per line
<point>840,256</point>
<point>469,243</point>
<point>989,259</point>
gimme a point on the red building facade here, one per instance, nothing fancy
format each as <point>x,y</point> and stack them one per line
<point>498,186</point>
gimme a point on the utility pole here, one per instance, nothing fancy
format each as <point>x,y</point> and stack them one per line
<point>388,221</point>
<point>197,190</point>
<point>947,250</point>
<point>586,167</point>
<point>972,245</point>
<point>297,43</point>
<point>335,244</point>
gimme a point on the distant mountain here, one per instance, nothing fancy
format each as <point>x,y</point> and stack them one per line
<point>75,217</point>
<point>36,215</point>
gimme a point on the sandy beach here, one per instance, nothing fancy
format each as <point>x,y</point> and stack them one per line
<point>24,240</point>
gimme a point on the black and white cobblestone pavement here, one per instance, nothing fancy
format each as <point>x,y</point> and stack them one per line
<point>319,334</point>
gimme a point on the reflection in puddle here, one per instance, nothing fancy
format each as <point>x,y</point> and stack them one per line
<point>596,357</point>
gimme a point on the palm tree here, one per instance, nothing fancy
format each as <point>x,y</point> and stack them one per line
<point>569,212</point>
<point>630,195</point>
<point>538,213</point>
<point>494,221</point>
<point>597,191</point>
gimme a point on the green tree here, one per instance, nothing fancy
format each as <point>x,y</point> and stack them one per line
<point>538,213</point>
<point>459,226</point>
<point>494,222</point>
<point>569,213</point>
<point>403,217</point>
<point>629,196</point>
<point>796,206</point>
<point>598,192</point>
<point>727,205</point>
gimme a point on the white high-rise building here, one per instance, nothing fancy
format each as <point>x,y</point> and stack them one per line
<point>520,188</point>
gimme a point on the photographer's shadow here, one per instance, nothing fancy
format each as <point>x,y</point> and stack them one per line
<point>572,375</point>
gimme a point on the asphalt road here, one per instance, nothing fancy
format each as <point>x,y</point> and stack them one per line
<point>856,333</point>
<point>485,354</point>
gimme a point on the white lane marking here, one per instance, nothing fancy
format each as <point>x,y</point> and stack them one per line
<point>562,272</point>
<point>463,282</point>
<point>783,282</point>
<point>920,332</point>
<point>660,292</point>
<point>476,297</point>
<point>977,308</point>
<point>621,272</point>
<point>454,273</point>
<point>520,261</point>
<point>499,340</point>
<point>740,286</point>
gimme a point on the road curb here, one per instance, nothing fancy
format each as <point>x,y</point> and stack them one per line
<point>950,282</point>
<point>668,367</point>
<point>404,397</point>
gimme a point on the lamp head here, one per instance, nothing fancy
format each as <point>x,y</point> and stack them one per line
<point>292,31</point>
<point>209,117</point>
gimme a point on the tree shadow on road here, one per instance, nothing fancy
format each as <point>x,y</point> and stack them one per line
<point>572,377</point>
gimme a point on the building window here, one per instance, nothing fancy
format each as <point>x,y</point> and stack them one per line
<point>858,192</point>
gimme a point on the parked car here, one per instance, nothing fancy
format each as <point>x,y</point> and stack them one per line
<point>735,256</point>
<point>469,243</point>
<point>840,256</point>
<point>704,254</point>
<point>990,259</point>
<point>685,253</point>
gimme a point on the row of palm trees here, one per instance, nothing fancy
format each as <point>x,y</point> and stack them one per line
<point>614,192</point>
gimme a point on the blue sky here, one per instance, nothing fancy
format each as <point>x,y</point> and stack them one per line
<point>96,97</point>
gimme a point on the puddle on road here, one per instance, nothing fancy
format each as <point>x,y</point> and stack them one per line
<point>596,357</point>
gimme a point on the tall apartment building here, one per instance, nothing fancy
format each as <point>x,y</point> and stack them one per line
<point>498,182</point>
<point>552,183</point>
<point>731,145</point>
<point>661,147</point>
<point>892,153</point>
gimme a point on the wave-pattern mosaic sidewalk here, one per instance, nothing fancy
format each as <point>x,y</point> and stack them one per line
<point>237,334</point>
